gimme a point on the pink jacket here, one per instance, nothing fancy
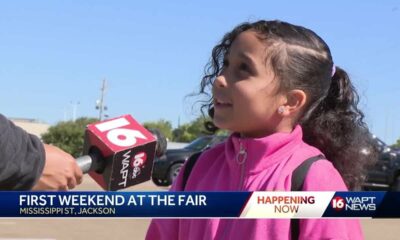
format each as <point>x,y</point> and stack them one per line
<point>268,167</point>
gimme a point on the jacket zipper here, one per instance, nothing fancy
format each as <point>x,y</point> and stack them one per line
<point>241,158</point>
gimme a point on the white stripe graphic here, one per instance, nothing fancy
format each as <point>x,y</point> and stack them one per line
<point>287,205</point>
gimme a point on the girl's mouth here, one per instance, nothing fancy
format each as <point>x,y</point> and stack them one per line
<point>218,103</point>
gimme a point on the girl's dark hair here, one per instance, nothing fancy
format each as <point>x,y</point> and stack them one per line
<point>331,120</point>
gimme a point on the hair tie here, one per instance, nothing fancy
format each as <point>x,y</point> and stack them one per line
<point>333,70</point>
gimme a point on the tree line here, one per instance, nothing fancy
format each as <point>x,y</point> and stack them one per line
<point>69,135</point>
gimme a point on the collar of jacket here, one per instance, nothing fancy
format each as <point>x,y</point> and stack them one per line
<point>262,152</point>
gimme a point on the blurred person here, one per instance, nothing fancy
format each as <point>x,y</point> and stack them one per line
<point>28,164</point>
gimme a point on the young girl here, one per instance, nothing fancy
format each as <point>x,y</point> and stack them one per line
<point>276,87</point>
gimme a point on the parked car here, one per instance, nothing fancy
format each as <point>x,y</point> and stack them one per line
<point>166,168</point>
<point>385,174</point>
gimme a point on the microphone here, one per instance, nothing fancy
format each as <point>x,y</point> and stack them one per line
<point>118,153</point>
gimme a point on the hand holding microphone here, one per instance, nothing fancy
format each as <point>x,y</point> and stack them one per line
<point>60,171</point>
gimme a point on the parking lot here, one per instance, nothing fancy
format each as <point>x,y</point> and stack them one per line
<point>133,229</point>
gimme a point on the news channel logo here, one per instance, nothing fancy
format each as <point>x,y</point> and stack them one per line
<point>354,203</point>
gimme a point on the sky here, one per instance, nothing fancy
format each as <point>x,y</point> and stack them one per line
<point>55,54</point>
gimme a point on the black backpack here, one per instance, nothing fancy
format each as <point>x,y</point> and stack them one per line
<point>298,176</point>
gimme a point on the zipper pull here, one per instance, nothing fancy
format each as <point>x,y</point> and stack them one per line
<point>242,154</point>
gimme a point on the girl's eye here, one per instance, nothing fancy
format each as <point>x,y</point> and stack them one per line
<point>225,63</point>
<point>244,67</point>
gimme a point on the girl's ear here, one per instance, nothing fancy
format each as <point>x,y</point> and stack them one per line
<point>295,101</point>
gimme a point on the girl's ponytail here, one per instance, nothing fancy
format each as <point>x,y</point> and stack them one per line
<point>336,127</point>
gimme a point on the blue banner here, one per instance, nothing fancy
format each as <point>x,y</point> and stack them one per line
<point>122,204</point>
<point>201,204</point>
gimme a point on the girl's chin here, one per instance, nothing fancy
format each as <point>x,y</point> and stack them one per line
<point>218,123</point>
<point>222,124</point>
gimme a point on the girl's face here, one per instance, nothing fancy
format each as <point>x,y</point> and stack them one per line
<point>245,95</point>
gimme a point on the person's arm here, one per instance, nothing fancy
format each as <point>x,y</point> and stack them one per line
<point>26,163</point>
<point>22,157</point>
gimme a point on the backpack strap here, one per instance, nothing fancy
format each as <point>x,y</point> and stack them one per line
<point>300,173</point>
<point>298,177</point>
<point>188,168</point>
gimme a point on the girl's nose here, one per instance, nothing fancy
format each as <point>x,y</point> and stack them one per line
<point>220,81</point>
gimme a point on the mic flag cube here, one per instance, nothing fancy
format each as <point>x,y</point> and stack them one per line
<point>122,151</point>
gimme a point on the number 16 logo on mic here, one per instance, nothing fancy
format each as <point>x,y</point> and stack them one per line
<point>128,149</point>
<point>121,132</point>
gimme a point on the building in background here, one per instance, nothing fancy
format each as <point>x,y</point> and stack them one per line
<point>32,126</point>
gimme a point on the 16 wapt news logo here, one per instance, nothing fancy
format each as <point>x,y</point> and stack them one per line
<point>354,203</point>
